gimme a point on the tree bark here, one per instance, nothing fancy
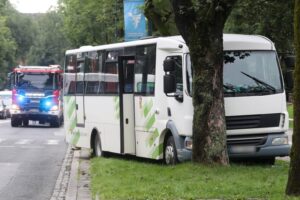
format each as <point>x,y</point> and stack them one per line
<point>293,184</point>
<point>201,24</point>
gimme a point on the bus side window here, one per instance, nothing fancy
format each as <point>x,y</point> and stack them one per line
<point>144,72</point>
<point>69,75</point>
<point>178,73</point>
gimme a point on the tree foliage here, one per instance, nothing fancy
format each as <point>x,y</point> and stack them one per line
<point>162,16</point>
<point>293,185</point>
<point>270,18</point>
<point>92,22</point>
<point>23,32</point>
<point>7,43</point>
<point>50,42</point>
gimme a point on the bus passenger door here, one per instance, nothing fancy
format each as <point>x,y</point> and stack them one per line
<point>126,80</point>
<point>79,98</point>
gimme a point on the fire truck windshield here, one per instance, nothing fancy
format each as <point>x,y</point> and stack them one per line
<point>44,81</point>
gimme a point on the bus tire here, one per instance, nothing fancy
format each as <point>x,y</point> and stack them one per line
<point>97,149</point>
<point>170,153</point>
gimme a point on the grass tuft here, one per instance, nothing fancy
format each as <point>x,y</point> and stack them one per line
<point>291,114</point>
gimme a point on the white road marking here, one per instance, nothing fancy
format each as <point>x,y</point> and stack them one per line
<point>2,140</point>
<point>4,121</point>
<point>52,142</point>
<point>24,141</point>
<point>59,133</point>
<point>32,147</point>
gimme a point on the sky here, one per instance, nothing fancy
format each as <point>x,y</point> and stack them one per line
<point>33,6</point>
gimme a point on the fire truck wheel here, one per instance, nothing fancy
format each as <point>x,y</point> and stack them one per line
<point>15,122</point>
<point>25,122</point>
<point>55,122</point>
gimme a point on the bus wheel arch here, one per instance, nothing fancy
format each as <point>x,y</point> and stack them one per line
<point>169,149</point>
<point>96,144</point>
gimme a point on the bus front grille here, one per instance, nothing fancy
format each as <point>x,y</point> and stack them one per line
<point>253,140</point>
<point>252,121</point>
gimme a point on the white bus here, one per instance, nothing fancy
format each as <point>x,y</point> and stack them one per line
<point>115,102</point>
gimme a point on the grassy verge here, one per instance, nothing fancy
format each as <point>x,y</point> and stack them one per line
<point>291,114</point>
<point>114,178</point>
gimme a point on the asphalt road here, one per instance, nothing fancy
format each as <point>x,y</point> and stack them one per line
<point>30,161</point>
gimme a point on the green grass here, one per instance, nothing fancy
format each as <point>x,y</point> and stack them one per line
<point>291,114</point>
<point>114,178</point>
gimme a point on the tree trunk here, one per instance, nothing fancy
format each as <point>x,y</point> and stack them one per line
<point>293,184</point>
<point>201,24</point>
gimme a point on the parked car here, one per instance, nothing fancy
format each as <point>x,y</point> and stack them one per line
<point>5,103</point>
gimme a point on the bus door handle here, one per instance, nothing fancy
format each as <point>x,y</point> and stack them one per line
<point>157,111</point>
<point>76,106</point>
<point>126,121</point>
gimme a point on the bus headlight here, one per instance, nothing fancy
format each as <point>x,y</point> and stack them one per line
<point>188,143</point>
<point>280,141</point>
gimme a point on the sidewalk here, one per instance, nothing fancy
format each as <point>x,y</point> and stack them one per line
<point>73,182</point>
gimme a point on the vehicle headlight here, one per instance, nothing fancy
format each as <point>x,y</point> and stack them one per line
<point>54,108</point>
<point>188,143</point>
<point>15,107</point>
<point>280,141</point>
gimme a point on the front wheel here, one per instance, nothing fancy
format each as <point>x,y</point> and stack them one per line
<point>170,153</point>
<point>55,122</point>
<point>25,122</point>
<point>15,122</point>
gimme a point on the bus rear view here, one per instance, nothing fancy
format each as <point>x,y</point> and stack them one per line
<point>36,95</point>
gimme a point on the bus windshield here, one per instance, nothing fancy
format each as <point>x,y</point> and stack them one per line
<point>248,73</point>
<point>44,81</point>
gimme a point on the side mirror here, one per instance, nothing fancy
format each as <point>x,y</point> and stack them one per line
<point>289,79</point>
<point>169,65</point>
<point>169,83</point>
<point>289,61</point>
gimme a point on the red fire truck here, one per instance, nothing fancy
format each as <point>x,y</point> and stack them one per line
<point>37,95</point>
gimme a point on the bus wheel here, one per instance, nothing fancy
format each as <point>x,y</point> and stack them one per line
<point>170,153</point>
<point>97,150</point>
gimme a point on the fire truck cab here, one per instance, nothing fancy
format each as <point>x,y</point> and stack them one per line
<point>37,95</point>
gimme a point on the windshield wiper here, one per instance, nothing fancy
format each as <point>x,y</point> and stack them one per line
<point>267,86</point>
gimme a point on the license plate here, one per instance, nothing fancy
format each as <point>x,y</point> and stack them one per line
<point>242,149</point>
<point>34,110</point>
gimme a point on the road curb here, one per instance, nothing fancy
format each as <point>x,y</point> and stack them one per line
<point>73,182</point>
<point>62,181</point>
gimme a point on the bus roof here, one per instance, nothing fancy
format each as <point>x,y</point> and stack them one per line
<point>231,42</point>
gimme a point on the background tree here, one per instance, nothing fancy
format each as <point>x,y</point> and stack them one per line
<point>201,25</point>
<point>271,18</point>
<point>7,44</point>
<point>24,33</point>
<point>293,184</point>
<point>92,22</point>
<point>50,43</point>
